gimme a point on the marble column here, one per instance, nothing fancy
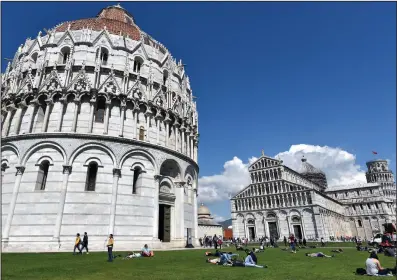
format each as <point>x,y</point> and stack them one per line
<point>156,206</point>
<point>135,129</point>
<point>6,125</point>
<point>33,104</point>
<point>183,129</point>
<point>167,131</point>
<point>47,114</point>
<point>148,119</point>
<point>116,176</point>
<point>195,218</point>
<point>75,115</point>
<point>107,115</point>
<point>123,107</point>
<point>92,111</point>
<point>158,129</point>
<point>191,146</point>
<point>67,169</point>
<point>176,126</point>
<point>17,117</point>
<point>60,114</point>
<point>13,202</point>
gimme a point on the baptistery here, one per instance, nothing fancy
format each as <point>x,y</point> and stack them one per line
<point>99,135</point>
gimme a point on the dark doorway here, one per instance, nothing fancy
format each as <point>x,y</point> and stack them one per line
<point>164,223</point>
<point>298,231</point>
<point>273,230</point>
<point>251,232</point>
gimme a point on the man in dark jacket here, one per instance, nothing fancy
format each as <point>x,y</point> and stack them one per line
<point>85,242</point>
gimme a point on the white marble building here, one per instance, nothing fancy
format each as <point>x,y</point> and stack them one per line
<point>99,135</point>
<point>280,201</point>
<point>206,224</point>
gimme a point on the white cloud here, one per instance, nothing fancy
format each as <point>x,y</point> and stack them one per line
<point>339,166</point>
<point>219,187</point>
<point>218,219</point>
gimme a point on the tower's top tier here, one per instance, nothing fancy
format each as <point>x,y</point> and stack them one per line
<point>379,165</point>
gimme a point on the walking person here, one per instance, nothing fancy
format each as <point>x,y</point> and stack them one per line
<point>285,241</point>
<point>77,244</point>
<point>322,242</point>
<point>85,242</point>
<point>110,248</point>
<point>215,240</point>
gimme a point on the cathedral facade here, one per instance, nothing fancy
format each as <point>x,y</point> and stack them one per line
<point>281,201</point>
<point>99,135</point>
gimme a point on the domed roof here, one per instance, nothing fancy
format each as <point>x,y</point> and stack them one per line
<point>115,19</point>
<point>203,210</point>
<point>307,168</point>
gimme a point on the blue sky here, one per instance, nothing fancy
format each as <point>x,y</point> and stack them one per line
<point>267,75</point>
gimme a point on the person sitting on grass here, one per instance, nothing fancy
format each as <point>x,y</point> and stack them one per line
<point>318,255</point>
<point>337,251</point>
<point>250,261</point>
<point>374,268</point>
<point>239,247</point>
<point>146,252</point>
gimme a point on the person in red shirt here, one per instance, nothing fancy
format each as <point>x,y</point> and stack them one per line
<point>292,243</point>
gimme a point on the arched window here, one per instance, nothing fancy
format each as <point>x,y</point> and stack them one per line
<point>34,57</point>
<point>360,224</point>
<point>165,77</point>
<point>295,220</point>
<point>42,175</point>
<point>100,111</point>
<point>141,133</point>
<point>102,54</point>
<point>137,179</point>
<point>137,64</point>
<point>64,55</point>
<point>92,171</point>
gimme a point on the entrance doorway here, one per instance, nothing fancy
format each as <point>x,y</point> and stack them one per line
<point>251,233</point>
<point>298,231</point>
<point>164,223</point>
<point>273,230</point>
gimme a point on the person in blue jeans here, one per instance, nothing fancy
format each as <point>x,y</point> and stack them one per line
<point>110,248</point>
<point>249,262</point>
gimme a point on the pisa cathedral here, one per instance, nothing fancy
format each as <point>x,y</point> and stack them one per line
<point>280,201</point>
<point>99,135</point>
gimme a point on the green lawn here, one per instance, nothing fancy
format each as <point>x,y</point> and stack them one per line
<point>187,264</point>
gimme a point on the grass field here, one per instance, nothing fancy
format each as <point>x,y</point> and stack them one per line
<point>187,264</point>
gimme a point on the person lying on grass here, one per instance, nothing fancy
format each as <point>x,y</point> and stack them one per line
<point>337,251</point>
<point>224,259</point>
<point>374,268</point>
<point>260,250</point>
<point>132,255</point>
<point>146,252</point>
<point>318,255</point>
<point>216,254</point>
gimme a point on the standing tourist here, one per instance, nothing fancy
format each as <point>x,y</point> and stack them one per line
<point>215,240</point>
<point>292,243</point>
<point>110,248</point>
<point>85,242</point>
<point>285,241</point>
<point>77,244</point>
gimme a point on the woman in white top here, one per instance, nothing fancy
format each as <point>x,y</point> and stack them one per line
<point>373,266</point>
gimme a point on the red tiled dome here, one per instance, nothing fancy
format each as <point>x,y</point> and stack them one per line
<point>116,19</point>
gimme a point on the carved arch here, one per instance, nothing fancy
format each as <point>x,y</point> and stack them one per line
<point>40,145</point>
<point>142,153</point>
<point>93,145</point>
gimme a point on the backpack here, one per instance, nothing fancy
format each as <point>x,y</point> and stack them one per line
<point>361,271</point>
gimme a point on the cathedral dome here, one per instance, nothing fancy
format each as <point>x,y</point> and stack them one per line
<point>313,174</point>
<point>115,19</point>
<point>203,211</point>
<point>307,168</point>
